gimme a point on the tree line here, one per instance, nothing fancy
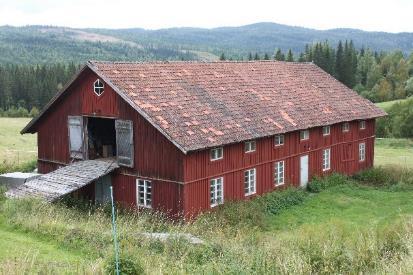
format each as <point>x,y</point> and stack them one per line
<point>25,88</point>
<point>377,76</point>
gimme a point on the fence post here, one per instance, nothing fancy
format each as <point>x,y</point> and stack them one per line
<point>115,240</point>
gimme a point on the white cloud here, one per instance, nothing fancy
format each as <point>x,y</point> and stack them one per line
<point>392,16</point>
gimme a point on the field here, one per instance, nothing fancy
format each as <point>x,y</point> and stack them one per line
<point>348,226</point>
<point>16,148</point>
<point>387,104</point>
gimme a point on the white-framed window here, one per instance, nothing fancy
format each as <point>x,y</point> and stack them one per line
<point>279,173</point>
<point>98,87</point>
<point>304,134</point>
<point>250,181</point>
<point>326,159</point>
<point>250,146</point>
<point>362,125</point>
<point>216,191</point>
<point>326,130</point>
<point>362,151</point>
<point>345,127</point>
<point>217,153</point>
<point>144,193</point>
<point>279,140</point>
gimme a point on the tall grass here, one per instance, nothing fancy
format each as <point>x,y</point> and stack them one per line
<point>236,236</point>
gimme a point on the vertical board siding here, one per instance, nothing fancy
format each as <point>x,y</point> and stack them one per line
<point>344,158</point>
<point>166,196</point>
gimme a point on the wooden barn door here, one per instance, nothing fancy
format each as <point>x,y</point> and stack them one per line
<point>124,142</point>
<point>75,131</point>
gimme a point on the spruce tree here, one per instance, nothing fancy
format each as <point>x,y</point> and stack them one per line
<point>222,57</point>
<point>266,56</point>
<point>290,56</point>
<point>279,55</point>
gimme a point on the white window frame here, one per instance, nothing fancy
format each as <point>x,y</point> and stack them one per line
<point>345,127</point>
<point>326,159</point>
<point>250,181</point>
<point>217,153</point>
<point>326,130</point>
<point>362,125</point>
<point>305,134</point>
<point>96,87</point>
<point>147,191</point>
<point>362,151</point>
<point>216,191</point>
<point>279,140</point>
<point>250,146</point>
<point>279,173</point>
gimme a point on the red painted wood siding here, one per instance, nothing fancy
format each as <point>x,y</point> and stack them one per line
<point>199,170</point>
<point>166,196</point>
<point>156,158</point>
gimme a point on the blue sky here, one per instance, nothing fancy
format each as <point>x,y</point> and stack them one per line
<point>391,16</point>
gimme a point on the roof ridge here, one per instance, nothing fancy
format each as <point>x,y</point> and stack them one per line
<point>193,61</point>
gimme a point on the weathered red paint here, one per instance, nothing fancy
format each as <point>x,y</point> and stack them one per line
<point>199,170</point>
<point>180,183</point>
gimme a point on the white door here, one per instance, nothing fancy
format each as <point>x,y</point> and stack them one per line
<point>303,170</point>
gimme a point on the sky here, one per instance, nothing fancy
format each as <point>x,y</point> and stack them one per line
<point>370,15</point>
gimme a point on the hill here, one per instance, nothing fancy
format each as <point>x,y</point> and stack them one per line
<point>46,44</point>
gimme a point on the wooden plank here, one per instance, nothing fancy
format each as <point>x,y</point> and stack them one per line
<point>64,180</point>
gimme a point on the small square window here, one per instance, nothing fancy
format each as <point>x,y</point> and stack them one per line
<point>279,140</point>
<point>216,191</point>
<point>362,125</point>
<point>217,153</point>
<point>345,127</point>
<point>304,135</point>
<point>250,146</point>
<point>326,130</point>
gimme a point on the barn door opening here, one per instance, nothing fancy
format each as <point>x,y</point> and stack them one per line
<point>101,137</point>
<point>124,142</point>
<point>75,130</point>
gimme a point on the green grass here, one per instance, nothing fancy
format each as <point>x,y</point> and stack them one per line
<point>348,228</point>
<point>16,148</point>
<point>352,206</point>
<point>391,151</point>
<point>388,104</point>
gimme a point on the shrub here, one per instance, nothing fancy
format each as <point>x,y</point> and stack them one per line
<point>34,112</point>
<point>278,201</point>
<point>321,183</point>
<point>127,265</point>
<point>379,176</point>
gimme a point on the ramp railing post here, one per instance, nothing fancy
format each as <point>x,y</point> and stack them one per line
<point>115,240</point>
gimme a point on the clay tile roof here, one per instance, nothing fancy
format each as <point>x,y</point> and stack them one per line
<point>205,104</point>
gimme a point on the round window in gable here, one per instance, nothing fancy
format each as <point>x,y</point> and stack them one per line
<point>98,87</point>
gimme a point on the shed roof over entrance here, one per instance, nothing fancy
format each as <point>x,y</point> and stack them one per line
<point>65,180</point>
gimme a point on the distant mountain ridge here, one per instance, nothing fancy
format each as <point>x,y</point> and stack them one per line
<point>46,44</point>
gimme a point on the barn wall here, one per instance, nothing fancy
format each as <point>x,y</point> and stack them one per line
<point>344,159</point>
<point>155,156</point>
<point>166,196</point>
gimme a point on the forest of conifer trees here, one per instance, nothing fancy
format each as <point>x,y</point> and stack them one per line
<point>376,76</point>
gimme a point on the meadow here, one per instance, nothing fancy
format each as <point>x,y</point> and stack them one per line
<point>16,148</point>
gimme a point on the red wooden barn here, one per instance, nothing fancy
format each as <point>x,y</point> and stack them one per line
<point>189,136</point>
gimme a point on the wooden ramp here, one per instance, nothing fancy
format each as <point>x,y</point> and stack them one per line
<point>65,180</point>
